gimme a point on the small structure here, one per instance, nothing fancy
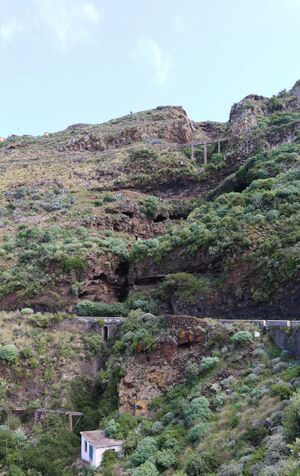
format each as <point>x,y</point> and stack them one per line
<point>41,412</point>
<point>2,139</point>
<point>94,444</point>
<point>107,326</point>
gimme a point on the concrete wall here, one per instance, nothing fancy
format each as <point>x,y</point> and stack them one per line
<point>287,339</point>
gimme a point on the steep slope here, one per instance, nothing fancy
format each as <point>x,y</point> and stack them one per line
<point>76,205</point>
<point>125,219</point>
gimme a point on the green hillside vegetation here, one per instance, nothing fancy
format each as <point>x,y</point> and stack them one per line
<point>122,220</point>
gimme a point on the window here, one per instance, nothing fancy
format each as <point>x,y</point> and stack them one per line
<point>85,446</point>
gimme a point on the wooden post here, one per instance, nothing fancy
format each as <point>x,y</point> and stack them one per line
<point>36,417</point>
<point>219,147</point>
<point>205,153</point>
<point>192,151</point>
<point>70,421</point>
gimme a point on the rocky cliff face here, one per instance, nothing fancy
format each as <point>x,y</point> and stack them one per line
<point>150,374</point>
<point>165,123</point>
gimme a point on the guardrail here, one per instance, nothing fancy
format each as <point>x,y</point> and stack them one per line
<point>265,323</point>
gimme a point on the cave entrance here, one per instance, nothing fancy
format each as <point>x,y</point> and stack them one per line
<point>105,333</point>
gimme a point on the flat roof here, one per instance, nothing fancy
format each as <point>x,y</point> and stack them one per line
<point>98,439</point>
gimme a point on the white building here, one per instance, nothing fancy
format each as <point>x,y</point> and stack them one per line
<point>94,444</point>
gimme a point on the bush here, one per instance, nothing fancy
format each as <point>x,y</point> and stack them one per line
<point>112,429</point>
<point>146,469</point>
<point>192,371</point>
<point>207,363</point>
<point>255,435</point>
<point>145,450</point>
<point>197,432</point>
<point>100,309</point>
<point>108,462</point>
<point>150,206</point>
<point>26,311</point>
<point>15,471</point>
<point>291,418</point>
<point>93,344</point>
<point>45,320</point>
<point>157,427</point>
<point>165,459</point>
<point>232,469</point>
<point>196,409</point>
<point>198,466</point>
<point>281,390</point>
<point>276,448</point>
<point>242,337</point>
<point>74,264</point>
<point>8,353</point>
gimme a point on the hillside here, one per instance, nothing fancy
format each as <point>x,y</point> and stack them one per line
<point>100,212</point>
<point>169,225</point>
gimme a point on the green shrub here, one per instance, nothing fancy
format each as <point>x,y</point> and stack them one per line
<point>15,471</point>
<point>145,450</point>
<point>150,206</point>
<point>74,264</point>
<point>185,287</point>
<point>198,408</point>
<point>46,320</point>
<point>192,371</point>
<point>100,309</point>
<point>282,390</point>
<point>146,469</point>
<point>26,311</point>
<point>255,435</point>
<point>198,466</point>
<point>108,462</point>
<point>291,418</point>
<point>93,344</point>
<point>127,422</point>
<point>242,338</point>
<point>165,459</point>
<point>197,432</point>
<point>207,363</point>
<point>8,353</point>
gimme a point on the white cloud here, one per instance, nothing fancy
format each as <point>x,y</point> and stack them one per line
<point>178,24</point>
<point>91,12</point>
<point>150,53</point>
<point>9,30</point>
<point>67,22</point>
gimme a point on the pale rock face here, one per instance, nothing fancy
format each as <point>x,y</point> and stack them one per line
<point>244,114</point>
<point>296,89</point>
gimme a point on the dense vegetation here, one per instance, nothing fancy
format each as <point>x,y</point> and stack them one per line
<point>236,413</point>
<point>116,220</point>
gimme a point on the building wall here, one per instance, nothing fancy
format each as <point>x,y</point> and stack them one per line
<point>84,454</point>
<point>97,453</point>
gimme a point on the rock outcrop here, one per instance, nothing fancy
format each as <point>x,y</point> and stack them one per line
<point>150,374</point>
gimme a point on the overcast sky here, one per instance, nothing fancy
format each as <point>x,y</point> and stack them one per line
<point>69,61</point>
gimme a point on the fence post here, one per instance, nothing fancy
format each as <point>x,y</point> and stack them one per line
<point>219,147</point>
<point>205,153</point>
<point>192,151</point>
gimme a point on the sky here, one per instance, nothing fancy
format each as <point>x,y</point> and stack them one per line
<point>68,61</point>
